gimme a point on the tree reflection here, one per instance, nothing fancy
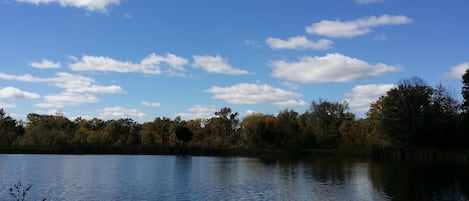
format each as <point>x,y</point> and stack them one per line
<point>421,181</point>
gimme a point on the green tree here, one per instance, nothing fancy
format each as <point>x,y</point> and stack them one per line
<point>404,111</point>
<point>443,119</point>
<point>258,131</point>
<point>48,130</point>
<point>464,123</point>
<point>372,129</point>
<point>148,135</point>
<point>184,134</point>
<point>81,133</point>
<point>163,125</point>
<point>327,117</point>
<point>195,125</point>
<point>307,137</point>
<point>90,131</point>
<point>287,129</point>
<point>465,91</point>
<point>122,132</point>
<point>225,125</point>
<point>10,129</point>
<point>367,133</point>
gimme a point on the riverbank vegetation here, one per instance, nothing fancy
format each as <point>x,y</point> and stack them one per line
<point>411,118</point>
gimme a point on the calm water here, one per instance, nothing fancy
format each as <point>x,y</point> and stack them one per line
<point>122,177</point>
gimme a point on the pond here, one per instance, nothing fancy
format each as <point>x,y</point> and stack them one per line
<point>141,177</point>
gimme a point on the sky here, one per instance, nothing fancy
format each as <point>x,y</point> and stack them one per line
<point>144,59</point>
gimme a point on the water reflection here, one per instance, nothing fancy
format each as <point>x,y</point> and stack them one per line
<point>58,177</point>
<point>421,181</point>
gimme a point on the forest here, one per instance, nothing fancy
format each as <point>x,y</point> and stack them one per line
<point>412,115</point>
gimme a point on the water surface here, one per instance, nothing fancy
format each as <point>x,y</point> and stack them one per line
<point>134,177</point>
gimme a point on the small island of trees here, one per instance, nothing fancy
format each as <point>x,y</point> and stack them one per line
<point>411,116</point>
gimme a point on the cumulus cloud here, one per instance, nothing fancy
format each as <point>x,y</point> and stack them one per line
<point>150,104</point>
<point>90,5</point>
<point>65,99</point>
<point>45,64</point>
<point>362,96</point>
<point>82,84</point>
<point>216,64</point>
<point>348,29</point>
<point>290,103</point>
<point>457,71</point>
<point>171,60</point>
<point>245,93</point>
<point>330,68</point>
<point>368,1</point>
<point>298,43</point>
<point>67,81</point>
<point>151,64</point>
<point>22,78</point>
<point>198,112</point>
<point>15,93</point>
<point>120,112</point>
<point>77,89</point>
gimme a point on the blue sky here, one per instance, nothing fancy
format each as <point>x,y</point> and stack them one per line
<point>144,59</point>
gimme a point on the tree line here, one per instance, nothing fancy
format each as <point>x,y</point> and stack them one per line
<point>411,115</point>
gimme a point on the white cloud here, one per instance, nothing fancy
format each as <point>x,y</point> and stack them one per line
<point>245,93</point>
<point>330,68</point>
<point>198,112</point>
<point>457,71</point>
<point>90,5</point>
<point>150,104</point>
<point>368,1</point>
<point>250,112</point>
<point>67,81</point>
<point>348,29</point>
<point>298,43</point>
<point>77,89</point>
<point>290,103</point>
<point>362,96</point>
<point>149,65</point>
<point>82,84</point>
<point>171,60</point>
<point>216,64</point>
<point>45,64</point>
<point>22,78</point>
<point>120,112</point>
<point>65,99</point>
<point>14,93</point>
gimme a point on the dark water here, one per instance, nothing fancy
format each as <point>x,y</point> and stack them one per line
<point>122,177</point>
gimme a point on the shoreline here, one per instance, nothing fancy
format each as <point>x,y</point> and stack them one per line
<point>388,154</point>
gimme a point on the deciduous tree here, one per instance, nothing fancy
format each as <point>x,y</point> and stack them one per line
<point>10,129</point>
<point>404,111</point>
<point>327,118</point>
<point>184,134</point>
